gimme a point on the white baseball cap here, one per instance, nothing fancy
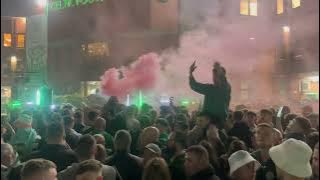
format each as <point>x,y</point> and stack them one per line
<point>239,159</point>
<point>293,156</point>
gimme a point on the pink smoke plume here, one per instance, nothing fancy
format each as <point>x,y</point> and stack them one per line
<point>141,75</point>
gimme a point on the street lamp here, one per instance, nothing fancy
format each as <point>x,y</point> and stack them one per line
<point>13,63</point>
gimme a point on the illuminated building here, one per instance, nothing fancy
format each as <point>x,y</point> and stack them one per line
<point>85,39</point>
<point>13,55</point>
<point>297,65</point>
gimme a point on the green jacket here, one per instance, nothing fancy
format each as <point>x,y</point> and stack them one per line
<point>216,98</point>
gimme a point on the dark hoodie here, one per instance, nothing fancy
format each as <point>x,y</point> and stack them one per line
<point>206,174</point>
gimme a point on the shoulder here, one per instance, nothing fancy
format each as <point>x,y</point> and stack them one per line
<point>68,172</point>
<point>109,172</point>
<point>136,158</point>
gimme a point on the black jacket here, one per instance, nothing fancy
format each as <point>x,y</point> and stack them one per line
<point>207,174</point>
<point>61,155</point>
<point>129,166</point>
<point>267,171</point>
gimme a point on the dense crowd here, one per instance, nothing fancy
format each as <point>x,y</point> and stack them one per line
<point>118,142</point>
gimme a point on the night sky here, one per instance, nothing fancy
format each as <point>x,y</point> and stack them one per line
<point>18,7</point>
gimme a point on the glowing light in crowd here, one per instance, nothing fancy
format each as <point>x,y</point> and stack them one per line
<point>140,99</point>
<point>128,100</point>
<point>15,104</point>
<point>185,102</point>
<point>38,97</point>
<point>52,106</point>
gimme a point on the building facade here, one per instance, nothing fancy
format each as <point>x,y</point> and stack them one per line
<point>13,55</point>
<point>85,39</point>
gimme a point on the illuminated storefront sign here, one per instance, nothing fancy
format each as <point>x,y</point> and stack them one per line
<point>63,4</point>
<point>310,87</point>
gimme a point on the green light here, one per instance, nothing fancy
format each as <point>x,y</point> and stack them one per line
<point>38,97</point>
<point>15,104</point>
<point>185,102</point>
<point>140,100</point>
<point>63,4</point>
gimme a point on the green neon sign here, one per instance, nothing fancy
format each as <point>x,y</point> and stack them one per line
<point>64,4</point>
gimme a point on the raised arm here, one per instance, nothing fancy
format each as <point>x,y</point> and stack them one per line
<point>194,85</point>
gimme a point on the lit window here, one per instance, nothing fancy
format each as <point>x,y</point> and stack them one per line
<point>253,8</point>
<point>20,41</point>
<point>296,3</point>
<point>280,6</point>
<point>249,7</point>
<point>20,25</point>
<point>244,7</point>
<point>7,40</point>
<point>98,49</point>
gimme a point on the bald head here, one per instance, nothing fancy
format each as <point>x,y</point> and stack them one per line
<point>100,124</point>
<point>149,135</point>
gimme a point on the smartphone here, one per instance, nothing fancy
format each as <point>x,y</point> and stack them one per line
<point>280,112</point>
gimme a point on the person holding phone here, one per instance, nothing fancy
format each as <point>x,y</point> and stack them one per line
<point>216,96</point>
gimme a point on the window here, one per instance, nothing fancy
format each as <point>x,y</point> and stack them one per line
<point>244,7</point>
<point>296,3</point>
<point>20,41</point>
<point>280,6</point>
<point>249,7</point>
<point>20,25</point>
<point>98,49</point>
<point>7,40</point>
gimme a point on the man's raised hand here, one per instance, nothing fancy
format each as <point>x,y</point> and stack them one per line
<point>192,67</point>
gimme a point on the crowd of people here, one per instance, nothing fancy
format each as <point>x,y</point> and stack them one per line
<point>118,142</point>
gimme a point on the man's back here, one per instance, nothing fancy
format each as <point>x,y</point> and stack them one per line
<point>61,155</point>
<point>108,173</point>
<point>129,166</point>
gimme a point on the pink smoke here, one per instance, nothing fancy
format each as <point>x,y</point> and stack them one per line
<point>141,75</point>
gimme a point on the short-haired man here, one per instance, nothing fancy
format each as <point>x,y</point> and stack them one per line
<point>266,116</point>
<point>89,169</point>
<point>197,165</point>
<point>39,169</point>
<point>176,164</point>
<point>196,134</point>
<point>86,150</point>
<point>128,165</point>
<point>264,140</point>
<point>56,149</point>
<point>72,137</point>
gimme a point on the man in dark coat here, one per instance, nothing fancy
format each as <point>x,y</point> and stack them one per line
<point>197,165</point>
<point>216,96</point>
<point>129,166</point>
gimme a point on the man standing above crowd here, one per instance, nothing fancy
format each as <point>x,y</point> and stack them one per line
<point>217,95</point>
